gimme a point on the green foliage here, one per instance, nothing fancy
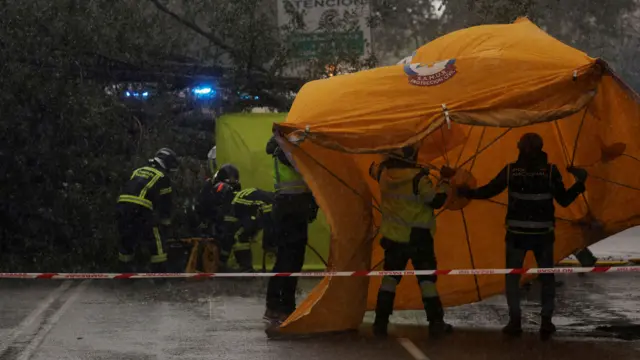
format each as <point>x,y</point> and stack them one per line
<point>66,145</point>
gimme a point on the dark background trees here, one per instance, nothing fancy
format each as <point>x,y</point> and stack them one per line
<point>68,139</point>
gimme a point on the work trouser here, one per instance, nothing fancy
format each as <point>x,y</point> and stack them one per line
<point>229,243</point>
<point>290,216</point>
<point>137,228</point>
<point>420,250</point>
<point>242,248</point>
<point>269,233</point>
<point>585,257</point>
<point>517,246</point>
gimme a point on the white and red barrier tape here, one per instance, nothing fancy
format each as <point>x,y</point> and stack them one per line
<point>557,270</point>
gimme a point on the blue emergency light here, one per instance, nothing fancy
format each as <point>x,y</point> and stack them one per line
<point>204,92</point>
<point>136,94</point>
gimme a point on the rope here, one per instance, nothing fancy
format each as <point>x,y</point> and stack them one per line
<point>464,146</point>
<point>575,144</point>
<point>464,219</point>
<point>631,157</point>
<point>318,255</point>
<point>486,147</point>
<point>575,148</point>
<point>614,182</point>
<point>444,146</point>
<point>565,151</point>
<point>473,265</point>
<point>475,156</point>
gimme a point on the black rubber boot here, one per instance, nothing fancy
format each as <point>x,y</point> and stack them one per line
<point>244,260</point>
<point>514,326</point>
<point>127,268</point>
<point>546,328</point>
<point>275,316</point>
<point>159,268</point>
<point>384,309</point>
<point>435,316</point>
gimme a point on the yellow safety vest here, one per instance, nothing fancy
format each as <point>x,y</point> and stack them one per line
<point>286,180</point>
<point>403,209</point>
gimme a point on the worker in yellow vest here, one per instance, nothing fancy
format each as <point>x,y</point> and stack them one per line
<point>408,200</point>
<point>293,209</point>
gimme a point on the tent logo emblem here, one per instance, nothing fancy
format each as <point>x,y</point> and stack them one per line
<point>431,75</point>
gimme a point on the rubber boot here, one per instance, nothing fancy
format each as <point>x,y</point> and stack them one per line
<point>384,309</point>
<point>245,260</point>
<point>435,316</point>
<point>127,268</point>
<point>514,326</point>
<point>275,316</point>
<point>546,328</point>
<point>159,268</point>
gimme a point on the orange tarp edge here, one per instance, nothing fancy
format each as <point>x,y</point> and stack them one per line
<point>510,79</point>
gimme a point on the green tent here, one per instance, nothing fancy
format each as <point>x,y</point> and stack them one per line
<point>241,140</point>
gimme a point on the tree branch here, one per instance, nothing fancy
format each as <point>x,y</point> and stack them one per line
<point>209,36</point>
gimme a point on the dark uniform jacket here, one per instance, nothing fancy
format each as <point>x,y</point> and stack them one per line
<point>147,192</point>
<point>213,204</point>
<point>533,184</point>
<point>251,211</point>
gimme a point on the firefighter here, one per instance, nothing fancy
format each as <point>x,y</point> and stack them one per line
<point>294,208</point>
<point>214,208</point>
<point>144,211</point>
<point>251,212</point>
<point>409,198</point>
<point>236,215</point>
<point>533,183</point>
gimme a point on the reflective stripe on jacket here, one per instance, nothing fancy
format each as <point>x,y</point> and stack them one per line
<point>287,180</point>
<point>405,206</point>
<point>148,187</point>
<point>531,208</point>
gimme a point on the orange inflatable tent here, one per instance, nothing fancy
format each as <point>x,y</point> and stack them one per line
<point>467,97</point>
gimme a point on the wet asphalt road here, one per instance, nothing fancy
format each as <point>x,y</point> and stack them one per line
<point>221,319</point>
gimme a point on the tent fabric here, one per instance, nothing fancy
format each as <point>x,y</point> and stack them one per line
<point>241,140</point>
<point>506,80</point>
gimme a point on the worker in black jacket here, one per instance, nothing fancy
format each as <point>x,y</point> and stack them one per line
<point>144,211</point>
<point>251,212</point>
<point>294,208</point>
<point>214,208</point>
<point>533,183</point>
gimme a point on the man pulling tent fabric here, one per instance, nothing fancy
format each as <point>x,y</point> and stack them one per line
<point>408,226</point>
<point>532,183</point>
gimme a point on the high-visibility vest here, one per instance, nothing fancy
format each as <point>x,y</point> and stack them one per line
<point>531,209</point>
<point>404,203</point>
<point>286,180</point>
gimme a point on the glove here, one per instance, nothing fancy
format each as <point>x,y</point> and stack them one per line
<point>464,191</point>
<point>579,174</point>
<point>447,172</point>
